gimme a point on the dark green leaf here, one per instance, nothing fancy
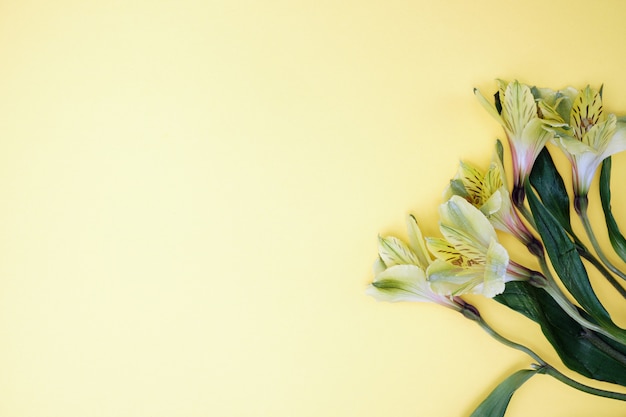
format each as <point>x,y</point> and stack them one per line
<point>496,403</point>
<point>588,354</point>
<point>617,239</point>
<point>548,183</point>
<point>566,261</point>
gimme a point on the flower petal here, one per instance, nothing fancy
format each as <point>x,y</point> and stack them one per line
<point>416,243</point>
<point>463,224</point>
<point>549,113</point>
<point>472,179</point>
<point>487,280</point>
<point>560,101</point>
<point>488,106</point>
<point>494,178</point>
<point>446,279</point>
<point>533,138</point>
<point>573,146</point>
<point>379,266</point>
<point>401,283</point>
<point>495,270</point>
<point>492,205</point>
<point>617,142</point>
<point>599,135</point>
<point>456,187</point>
<point>586,112</point>
<point>393,251</point>
<point>518,107</point>
<point>444,251</point>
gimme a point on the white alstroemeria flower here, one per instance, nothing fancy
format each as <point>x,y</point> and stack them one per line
<point>479,188</point>
<point>469,258</point>
<point>400,271</point>
<point>487,191</point>
<point>524,128</point>
<point>593,137</point>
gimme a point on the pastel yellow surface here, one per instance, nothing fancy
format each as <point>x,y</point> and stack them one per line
<point>191,193</point>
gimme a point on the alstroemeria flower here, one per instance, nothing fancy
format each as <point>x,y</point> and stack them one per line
<point>524,128</point>
<point>469,258</point>
<point>555,106</point>
<point>592,138</point>
<point>400,271</point>
<point>488,192</point>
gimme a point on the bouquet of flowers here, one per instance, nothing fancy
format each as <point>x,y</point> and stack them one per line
<point>556,291</point>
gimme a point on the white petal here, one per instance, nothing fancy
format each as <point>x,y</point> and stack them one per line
<point>534,136</point>
<point>493,205</point>
<point>416,242</point>
<point>617,143</point>
<point>495,270</point>
<point>379,266</point>
<point>447,279</point>
<point>487,105</point>
<point>585,168</point>
<point>463,223</point>
<point>442,249</point>
<point>599,136</point>
<point>573,146</point>
<point>401,283</point>
<point>518,107</point>
<point>393,251</point>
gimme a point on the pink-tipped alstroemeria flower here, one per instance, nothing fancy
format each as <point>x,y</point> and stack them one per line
<point>469,257</point>
<point>592,137</point>
<point>488,192</point>
<point>518,114</point>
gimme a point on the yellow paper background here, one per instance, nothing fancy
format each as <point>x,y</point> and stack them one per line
<point>191,193</point>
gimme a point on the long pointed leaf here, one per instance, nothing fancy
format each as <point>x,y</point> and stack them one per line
<point>590,355</point>
<point>548,183</point>
<point>566,261</point>
<point>496,403</point>
<point>615,236</point>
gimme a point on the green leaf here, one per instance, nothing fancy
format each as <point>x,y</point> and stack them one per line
<point>496,403</point>
<point>617,239</point>
<point>548,183</point>
<point>566,261</point>
<point>590,355</point>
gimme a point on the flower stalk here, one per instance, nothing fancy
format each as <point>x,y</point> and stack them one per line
<point>580,205</point>
<point>471,313</point>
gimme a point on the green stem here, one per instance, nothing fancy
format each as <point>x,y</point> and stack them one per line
<point>570,309</point>
<point>527,215</point>
<point>549,370</point>
<point>508,342</point>
<point>471,313</point>
<point>580,204</point>
<point>603,346</point>
<point>582,249</point>
<point>583,252</point>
